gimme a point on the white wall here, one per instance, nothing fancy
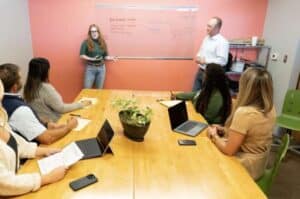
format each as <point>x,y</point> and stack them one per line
<point>15,35</point>
<point>282,32</point>
<point>296,68</point>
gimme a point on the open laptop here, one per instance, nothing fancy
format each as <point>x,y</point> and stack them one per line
<point>179,121</point>
<point>96,147</point>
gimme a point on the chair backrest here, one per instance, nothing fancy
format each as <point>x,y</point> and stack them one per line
<point>269,175</point>
<point>291,104</point>
<point>229,62</point>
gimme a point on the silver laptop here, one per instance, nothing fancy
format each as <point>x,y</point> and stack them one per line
<point>179,121</point>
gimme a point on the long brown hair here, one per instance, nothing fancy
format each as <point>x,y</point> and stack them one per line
<point>37,74</point>
<point>100,40</point>
<point>256,90</point>
<point>215,79</point>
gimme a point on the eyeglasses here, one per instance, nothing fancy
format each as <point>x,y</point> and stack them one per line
<point>93,31</point>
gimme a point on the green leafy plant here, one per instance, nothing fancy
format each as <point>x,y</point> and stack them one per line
<point>131,113</point>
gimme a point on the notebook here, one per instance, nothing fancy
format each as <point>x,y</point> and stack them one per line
<point>169,103</point>
<point>82,122</point>
<point>92,99</point>
<point>179,121</point>
<point>67,157</point>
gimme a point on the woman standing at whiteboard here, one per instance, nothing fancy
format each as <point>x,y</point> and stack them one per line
<point>94,51</point>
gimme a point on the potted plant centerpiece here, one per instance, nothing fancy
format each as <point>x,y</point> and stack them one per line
<point>134,119</point>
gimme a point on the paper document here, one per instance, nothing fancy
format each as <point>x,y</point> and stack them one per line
<point>81,123</point>
<point>67,157</point>
<point>169,103</point>
<point>92,99</point>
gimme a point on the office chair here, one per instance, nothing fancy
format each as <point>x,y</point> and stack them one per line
<point>229,62</point>
<point>290,116</point>
<point>232,77</point>
<point>266,180</point>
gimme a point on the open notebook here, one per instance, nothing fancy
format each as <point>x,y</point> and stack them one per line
<point>92,99</point>
<point>82,122</point>
<point>169,103</point>
<point>67,157</point>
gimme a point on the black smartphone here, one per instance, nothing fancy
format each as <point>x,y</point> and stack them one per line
<point>83,182</point>
<point>186,142</point>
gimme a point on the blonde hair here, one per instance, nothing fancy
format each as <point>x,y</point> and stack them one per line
<point>256,90</point>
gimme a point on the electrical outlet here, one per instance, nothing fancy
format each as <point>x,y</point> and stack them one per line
<point>274,56</point>
<point>285,57</point>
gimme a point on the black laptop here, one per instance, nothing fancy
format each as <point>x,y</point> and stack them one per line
<point>96,147</point>
<point>179,121</point>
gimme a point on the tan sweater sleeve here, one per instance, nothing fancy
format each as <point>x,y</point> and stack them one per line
<point>26,149</point>
<point>54,100</point>
<point>13,184</point>
<point>10,182</point>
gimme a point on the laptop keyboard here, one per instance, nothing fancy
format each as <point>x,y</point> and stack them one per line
<point>84,149</point>
<point>187,126</point>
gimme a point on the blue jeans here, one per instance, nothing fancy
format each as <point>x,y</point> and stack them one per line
<point>94,74</point>
<point>198,80</point>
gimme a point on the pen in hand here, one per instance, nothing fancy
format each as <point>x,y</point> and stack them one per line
<point>75,115</point>
<point>172,96</point>
<point>78,116</point>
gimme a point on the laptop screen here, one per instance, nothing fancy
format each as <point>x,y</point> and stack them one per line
<point>105,135</point>
<point>177,114</point>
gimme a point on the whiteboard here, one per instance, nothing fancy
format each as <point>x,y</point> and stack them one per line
<point>148,30</point>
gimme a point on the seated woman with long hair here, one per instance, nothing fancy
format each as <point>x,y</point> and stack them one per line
<point>248,130</point>
<point>42,96</point>
<point>213,101</point>
<point>12,148</point>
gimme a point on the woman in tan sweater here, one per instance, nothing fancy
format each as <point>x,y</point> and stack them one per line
<point>42,96</point>
<point>248,130</point>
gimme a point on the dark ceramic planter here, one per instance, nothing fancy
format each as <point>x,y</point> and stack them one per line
<point>135,133</point>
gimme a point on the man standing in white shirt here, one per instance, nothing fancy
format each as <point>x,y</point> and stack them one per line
<point>214,49</point>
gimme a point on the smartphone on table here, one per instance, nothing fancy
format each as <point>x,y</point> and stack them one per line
<point>187,142</point>
<point>83,182</point>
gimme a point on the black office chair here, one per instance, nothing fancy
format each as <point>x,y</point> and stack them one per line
<point>229,62</point>
<point>233,77</point>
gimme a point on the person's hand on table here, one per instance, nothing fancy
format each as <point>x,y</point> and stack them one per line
<point>86,102</point>
<point>211,131</point>
<point>72,123</point>
<point>43,151</point>
<point>220,129</point>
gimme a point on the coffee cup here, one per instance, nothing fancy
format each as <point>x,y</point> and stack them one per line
<point>254,40</point>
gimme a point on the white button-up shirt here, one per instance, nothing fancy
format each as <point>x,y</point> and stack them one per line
<point>25,122</point>
<point>214,49</point>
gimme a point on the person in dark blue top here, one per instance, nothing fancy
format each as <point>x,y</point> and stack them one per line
<point>22,118</point>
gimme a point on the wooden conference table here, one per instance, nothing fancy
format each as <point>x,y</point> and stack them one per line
<point>156,168</point>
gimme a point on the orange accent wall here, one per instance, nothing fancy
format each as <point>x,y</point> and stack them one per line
<point>58,28</point>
